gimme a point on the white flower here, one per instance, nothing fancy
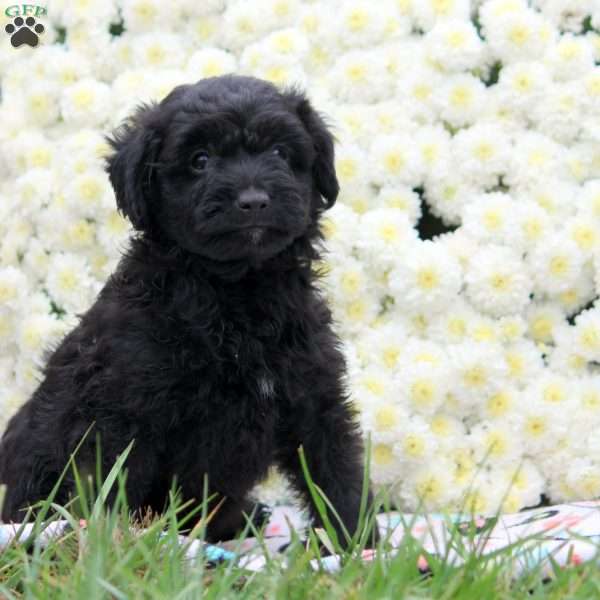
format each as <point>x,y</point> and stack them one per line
<point>584,233</point>
<point>145,15</point>
<point>89,12</point>
<point>535,159</point>
<point>460,99</point>
<point>544,318</point>
<point>347,279</point>
<point>386,465</point>
<point>497,282</point>
<point>524,485</point>
<point>35,260</point>
<point>393,160</point>
<point>387,118</point>
<point>76,234</point>
<point>40,101</point>
<point>455,45</point>
<point>158,50</point>
<point>555,264</point>
<point>13,288</point>
<point>482,153</point>
<point>453,324</point>
<point>359,198</point>
<point>566,357</point>
<point>495,444</point>
<point>113,231</point>
<point>358,76</point>
<point>416,443</point>
<point>489,217</point>
<point>69,282</point>
<point>11,399</point>
<point>426,278</point>
<point>530,225</point>
<point>382,418</point>
<point>517,35</point>
<point>241,24</point>
<point>501,404</point>
<point>430,12</point>
<point>429,486</point>
<point>447,195</point>
<point>276,14</point>
<point>589,200</point>
<point>583,477</point>
<point>89,194</point>
<point>552,389</point>
<point>32,191</point>
<point>485,330</point>
<point>571,57</point>
<point>523,83</point>
<point>340,226</point>
<point>384,233</point>
<point>423,386</point>
<point>587,334</point>
<point>555,196</point>
<point>383,346</point>
<point>416,89</point>
<point>87,102</point>
<point>210,62</point>
<point>478,371</point>
<point>351,165</point>
<point>580,293</point>
<point>355,315</point>
<point>433,144</point>
<point>589,399</point>
<point>37,332</point>
<point>523,362</point>
<point>205,30</point>
<point>358,24</point>
<point>401,197</point>
<point>557,113</point>
<point>540,424</point>
<point>447,430</point>
<point>567,15</point>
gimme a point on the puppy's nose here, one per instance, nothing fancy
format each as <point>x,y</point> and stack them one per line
<point>253,200</point>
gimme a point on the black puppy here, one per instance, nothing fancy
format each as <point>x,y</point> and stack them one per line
<point>210,344</point>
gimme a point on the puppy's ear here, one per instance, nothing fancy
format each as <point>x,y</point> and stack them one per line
<point>324,165</point>
<point>135,144</point>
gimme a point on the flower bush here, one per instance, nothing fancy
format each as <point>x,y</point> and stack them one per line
<point>463,259</point>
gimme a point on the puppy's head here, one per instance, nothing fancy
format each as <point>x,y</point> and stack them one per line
<point>228,168</point>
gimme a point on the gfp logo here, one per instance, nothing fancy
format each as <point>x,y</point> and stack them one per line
<point>24,29</point>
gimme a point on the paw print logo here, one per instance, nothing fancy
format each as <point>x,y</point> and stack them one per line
<point>24,32</point>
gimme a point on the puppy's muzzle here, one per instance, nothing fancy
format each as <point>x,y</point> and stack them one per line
<point>253,202</point>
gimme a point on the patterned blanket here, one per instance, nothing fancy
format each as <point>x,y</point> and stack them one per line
<point>565,534</point>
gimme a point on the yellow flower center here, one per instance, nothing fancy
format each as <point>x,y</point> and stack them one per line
<point>386,417</point>
<point>475,376</point>
<point>422,392</point>
<point>559,265</point>
<point>427,278</point>
<point>554,393</point>
<point>498,404</point>
<point>519,34</point>
<point>382,454</point>
<point>413,445</point>
<point>390,357</point>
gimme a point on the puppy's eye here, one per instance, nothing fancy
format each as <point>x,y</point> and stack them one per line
<point>199,160</point>
<point>280,151</point>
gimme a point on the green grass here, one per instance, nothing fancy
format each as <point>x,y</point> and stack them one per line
<point>111,559</point>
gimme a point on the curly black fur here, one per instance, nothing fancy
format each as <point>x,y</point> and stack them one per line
<point>209,345</point>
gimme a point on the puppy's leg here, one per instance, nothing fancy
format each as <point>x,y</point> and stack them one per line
<point>334,456</point>
<point>230,517</point>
